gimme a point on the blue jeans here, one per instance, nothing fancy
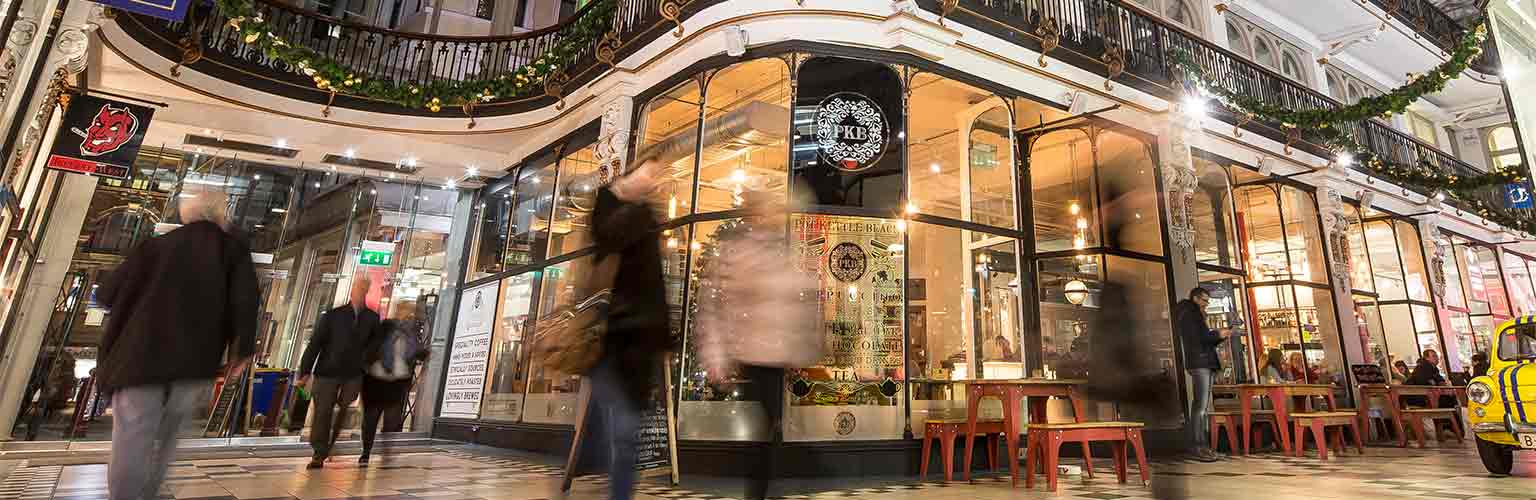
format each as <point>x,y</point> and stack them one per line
<point>1199,407</point>
<point>623,421</point>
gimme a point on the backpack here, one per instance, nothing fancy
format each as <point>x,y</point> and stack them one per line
<point>398,352</point>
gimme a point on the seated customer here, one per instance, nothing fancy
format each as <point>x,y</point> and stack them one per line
<point>1427,372</point>
<point>1274,371</point>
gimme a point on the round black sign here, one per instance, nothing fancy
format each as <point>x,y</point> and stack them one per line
<point>845,423</point>
<point>850,131</point>
<point>847,262</point>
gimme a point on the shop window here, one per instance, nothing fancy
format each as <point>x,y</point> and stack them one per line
<point>1263,53</point>
<point>492,221</point>
<point>1493,280</point>
<point>552,395</point>
<point>1423,128</point>
<point>1299,321</point>
<point>576,196</point>
<point>1386,269</point>
<point>1503,149</point>
<point>1352,93</point>
<point>1061,175</point>
<point>669,132</point>
<point>1361,277</point>
<point>1132,219</point>
<point>1069,305</point>
<point>1521,296</point>
<point>746,117</point>
<point>1455,296</point>
<point>1210,213</point>
<point>1473,279</point>
<point>508,375</point>
<point>1415,275</point>
<point>1229,309</point>
<point>1237,41</point>
<point>961,153</point>
<point>961,299</point>
<point>711,411</point>
<point>532,198</point>
<point>1463,342</point>
<point>862,165</point>
<point>990,160</point>
<point>1335,86</point>
<point>1281,226</point>
<point>862,285</point>
<point>1372,338</point>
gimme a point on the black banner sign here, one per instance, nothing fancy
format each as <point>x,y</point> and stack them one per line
<point>849,132</point>
<point>99,137</point>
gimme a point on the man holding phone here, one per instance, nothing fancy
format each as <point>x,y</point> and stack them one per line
<point>1199,342</point>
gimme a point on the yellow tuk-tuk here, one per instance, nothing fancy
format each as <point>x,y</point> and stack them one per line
<point>1502,402</point>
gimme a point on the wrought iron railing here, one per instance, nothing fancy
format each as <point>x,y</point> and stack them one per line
<point>1131,46</point>
<point>378,53</point>
<point>1440,28</point>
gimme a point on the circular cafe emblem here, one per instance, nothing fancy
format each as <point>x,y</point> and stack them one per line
<point>847,262</point>
<point>850,131</point>
<point>845,423</point>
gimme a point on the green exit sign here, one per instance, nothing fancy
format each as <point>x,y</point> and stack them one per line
<point>376,253</point>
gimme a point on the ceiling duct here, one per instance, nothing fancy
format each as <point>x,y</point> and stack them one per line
<point>241,146</point>
<point>757,124</point>
<point>335,159</point>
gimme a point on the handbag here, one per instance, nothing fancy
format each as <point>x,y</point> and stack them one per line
<point>576,341</point>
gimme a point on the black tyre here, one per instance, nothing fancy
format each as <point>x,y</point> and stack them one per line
<point>1497,458</point>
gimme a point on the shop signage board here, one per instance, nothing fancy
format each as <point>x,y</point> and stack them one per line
<point>470,347</point>
<point>655,440</point>
<point>170,10</point>
<point>99,137</point>
<point>1518,195</point>
<point>376,253</point>
<point>848,133</point>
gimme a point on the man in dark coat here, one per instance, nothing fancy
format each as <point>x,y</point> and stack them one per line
<point>181,305</point>
<point>625,227</point>
<point>333,363</point>
<point>1199,342</point>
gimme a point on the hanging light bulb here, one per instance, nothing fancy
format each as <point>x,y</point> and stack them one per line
<point>1078,242</point>
<point>739,176</point>
<point>672,207</point>
<point>1075,208</point>
<point>671,242</point>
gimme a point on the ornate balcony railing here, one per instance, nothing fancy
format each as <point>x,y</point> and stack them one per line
<point>1440,28</point>
<point>1131,46</point>
<point>208,42</point>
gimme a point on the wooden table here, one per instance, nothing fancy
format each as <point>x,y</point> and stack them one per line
<point>1280,395</point>
<point>1011,392</point>
<point>1394,395</point>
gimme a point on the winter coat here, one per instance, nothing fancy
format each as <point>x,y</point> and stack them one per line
<point>639,329</point>
<point>755,308</point>
<point>340,345</point>
<point>1198,340</point>
<point>177,302</point>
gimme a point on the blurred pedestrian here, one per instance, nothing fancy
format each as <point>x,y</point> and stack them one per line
<point>182,305</point>
<point>1202,363</point>
<point>638,331</point>
<point>392,362</point>
<point>332,366</point>
<point>757,318</point>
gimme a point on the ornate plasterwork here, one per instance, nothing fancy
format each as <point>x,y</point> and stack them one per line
<point>22,33</point>
<point>1180,183</point>
<point>612,146</point>
<point>1436,246</point>
<point>1336,224</point>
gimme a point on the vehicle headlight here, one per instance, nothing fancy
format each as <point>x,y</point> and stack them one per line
<point>1479,393</point>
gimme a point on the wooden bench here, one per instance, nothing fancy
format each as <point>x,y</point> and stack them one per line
<point>1413,417</point>
<point>946,430</point>
<point>1327,432</point>
<point>1045,447</point>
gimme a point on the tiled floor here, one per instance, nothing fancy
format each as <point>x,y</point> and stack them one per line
<point>466,473</point>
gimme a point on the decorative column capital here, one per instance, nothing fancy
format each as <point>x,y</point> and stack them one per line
<point>1336,224</point>
<point>1180,182</point>
<point>612,148</point>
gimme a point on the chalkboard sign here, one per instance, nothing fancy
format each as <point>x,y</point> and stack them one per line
<point>223,408</point>
<point>655,440</point>
<point>1368,374</point>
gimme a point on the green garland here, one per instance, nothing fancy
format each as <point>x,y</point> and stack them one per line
<point>1323,127</point>
<point>333,76</point>
<point>1397,101</point>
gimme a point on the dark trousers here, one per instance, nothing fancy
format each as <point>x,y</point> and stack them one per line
<point>765,385</point>
<point>331,393</point>
<point>382,400</point>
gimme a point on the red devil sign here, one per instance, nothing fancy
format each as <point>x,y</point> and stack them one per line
<point>99,137</point>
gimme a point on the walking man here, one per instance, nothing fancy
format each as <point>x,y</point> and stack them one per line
<point>181,304</point>
<point>332,366</point>
<point>1200,360</point>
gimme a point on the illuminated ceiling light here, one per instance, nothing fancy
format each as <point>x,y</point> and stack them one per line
<point>276,210</point>
<point>256,177</point>
<point>901,226</point>
<point>450,183</point>
<point>1075,208</point>
<point>207,131</point>
<point>410,161</point>
<point>187,196</point>
<point>1195,107</point>
<point>534,180</point>
<point>1079,242</point>
<point>317,185</point>
<point>739,176</point>
<point>1076,292</point>
<point>471,171</point>
<point>671,242</point>
<point>391,176</point>
<point>934,167</point>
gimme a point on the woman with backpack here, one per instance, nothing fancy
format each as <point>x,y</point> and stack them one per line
<point>391,363</point>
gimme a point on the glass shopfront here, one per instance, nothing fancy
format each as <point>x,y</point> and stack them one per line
<point>911,227</point>
<point>1474,298</point>
<point>1391,289</point>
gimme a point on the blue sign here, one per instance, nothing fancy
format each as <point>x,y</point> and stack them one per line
<point>1518,195</point>
<point>170,10</point>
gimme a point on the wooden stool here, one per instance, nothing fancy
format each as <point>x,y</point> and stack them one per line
<point>946,430</point>
<point>1321,423</point>
<point>1415,417</point>
<point>1045,447</point>
<point>1228,420</point>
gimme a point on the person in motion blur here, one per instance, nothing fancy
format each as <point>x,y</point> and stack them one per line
<point>1202,363</point>
<point>638,333</point>
<point>182,305</point>
<point>756,318</point>
<point>392,362</point>
<point>332,366</point>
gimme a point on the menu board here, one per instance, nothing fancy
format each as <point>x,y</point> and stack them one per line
<point>470,347</point>
<point>653,441</point>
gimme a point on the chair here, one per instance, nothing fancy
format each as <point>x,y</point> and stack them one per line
<point>946,430</point>
<point>1045,447</point>
<point>1327,431</point>
<point>1415,417</point>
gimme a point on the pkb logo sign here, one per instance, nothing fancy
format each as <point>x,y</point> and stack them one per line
<point>850,131</point>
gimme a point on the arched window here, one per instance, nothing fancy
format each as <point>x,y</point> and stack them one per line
<point>1178,11</point>
<point>1335,86</point>
<point>1503,149</point>
<point>1263,53</point>
<point>1353,93</point>
<point>1291,67</point>
<point>1237,40</point>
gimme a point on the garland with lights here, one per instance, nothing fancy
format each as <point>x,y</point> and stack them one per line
<point>334,76</point>
<point>1396,101</point>
<point>1327,127</point>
